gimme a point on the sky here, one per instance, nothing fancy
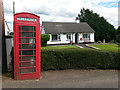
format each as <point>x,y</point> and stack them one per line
<point>61,10</point>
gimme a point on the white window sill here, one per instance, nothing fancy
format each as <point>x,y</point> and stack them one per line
<point>68,40</point>
<point>55,40</point>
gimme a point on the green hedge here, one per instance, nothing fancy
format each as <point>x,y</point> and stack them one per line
<point>79,59</point>
<point>44,39</point>
<point>75,58</point>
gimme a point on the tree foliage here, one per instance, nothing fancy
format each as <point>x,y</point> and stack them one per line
<point>103,29</point>
<point>118,35</point>
<point>44,39</point>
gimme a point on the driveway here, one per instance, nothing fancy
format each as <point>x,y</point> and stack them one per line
<point>68,79</point>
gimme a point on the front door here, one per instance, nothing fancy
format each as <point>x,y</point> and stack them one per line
<point>76,38</point>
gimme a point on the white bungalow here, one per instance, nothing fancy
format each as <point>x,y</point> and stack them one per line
<point>67,32</point>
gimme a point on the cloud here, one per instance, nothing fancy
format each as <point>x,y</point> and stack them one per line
<point>103,8</point>
<point>40,10</point>
<point>64,10</point>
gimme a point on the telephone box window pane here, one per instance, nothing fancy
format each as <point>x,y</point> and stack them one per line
<point>34,63</point>
<point>19,52</point>
<point>30,58</point>
<point>27,40</point>
<point>27,64</point>
<point>19,28</point>
<point>20,71</point>
<point>34,28</point>
<point>27,70</point>
<point>27,34</point>
<point>34,52</point>
<point>34,34</point>
<point>19,58</point>
<point>34,57</point>
<point>20,65</point>
<point>28,52</point>
<point>26,58</point>
<point>27,28</point>
<point>19,40</point>
<point>19,34</point>
<point>27,46</point>
<point>34,69</point>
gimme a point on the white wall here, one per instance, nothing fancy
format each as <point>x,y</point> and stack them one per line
<point>73,37</point>
<point>92,37</point>
<point>9,45</point>
<point>65,41</point>
<point>42,30</point>
<point>81,36</point>
<point>6,30</point>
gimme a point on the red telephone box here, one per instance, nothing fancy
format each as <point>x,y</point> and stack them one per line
<point>27,46</point>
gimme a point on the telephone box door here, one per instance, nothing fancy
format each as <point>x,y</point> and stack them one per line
<point>27,50</point>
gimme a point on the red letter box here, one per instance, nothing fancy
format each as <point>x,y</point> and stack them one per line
<point>27,46</point>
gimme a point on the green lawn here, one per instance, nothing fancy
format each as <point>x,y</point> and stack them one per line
<point>57,47</point>
<point>107,47</point>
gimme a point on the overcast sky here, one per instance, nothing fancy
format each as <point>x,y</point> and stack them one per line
<point>62,10</point>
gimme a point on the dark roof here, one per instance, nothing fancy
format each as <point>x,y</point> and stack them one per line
<point>66,27</point>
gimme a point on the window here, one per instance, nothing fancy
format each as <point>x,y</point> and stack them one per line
<point>86,36</point>
<point>68,36</point>
<point>56,37</point>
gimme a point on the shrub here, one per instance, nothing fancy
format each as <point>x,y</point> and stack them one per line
<point>75,58</point>
<point>44,39</point>
<point>99,41</point>
<point>79,59</point>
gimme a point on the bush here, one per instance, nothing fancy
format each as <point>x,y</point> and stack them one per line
<point>44,39</point>
<point>79,59</point>
<point>75,58</point>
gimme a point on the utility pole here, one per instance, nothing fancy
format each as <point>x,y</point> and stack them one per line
<point>2,40</point>
<point>13,7</point>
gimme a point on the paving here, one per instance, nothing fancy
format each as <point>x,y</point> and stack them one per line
<point>67,79</point>
<point>84,46</point>
<point>91,46</point>
<point>78,46</point>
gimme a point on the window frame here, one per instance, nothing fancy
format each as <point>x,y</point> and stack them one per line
<point>68,36</point>
<point>58,37</point>
<point>87,36</point>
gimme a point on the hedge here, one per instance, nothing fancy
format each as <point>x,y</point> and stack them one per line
<point>44,39</point>
<point>79,59</point>
<point>75,58</point>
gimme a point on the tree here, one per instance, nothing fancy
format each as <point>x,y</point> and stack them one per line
<point>103,29</point>
<point>118,35</point>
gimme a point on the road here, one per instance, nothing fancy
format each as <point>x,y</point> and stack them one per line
<point>67,79</point>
